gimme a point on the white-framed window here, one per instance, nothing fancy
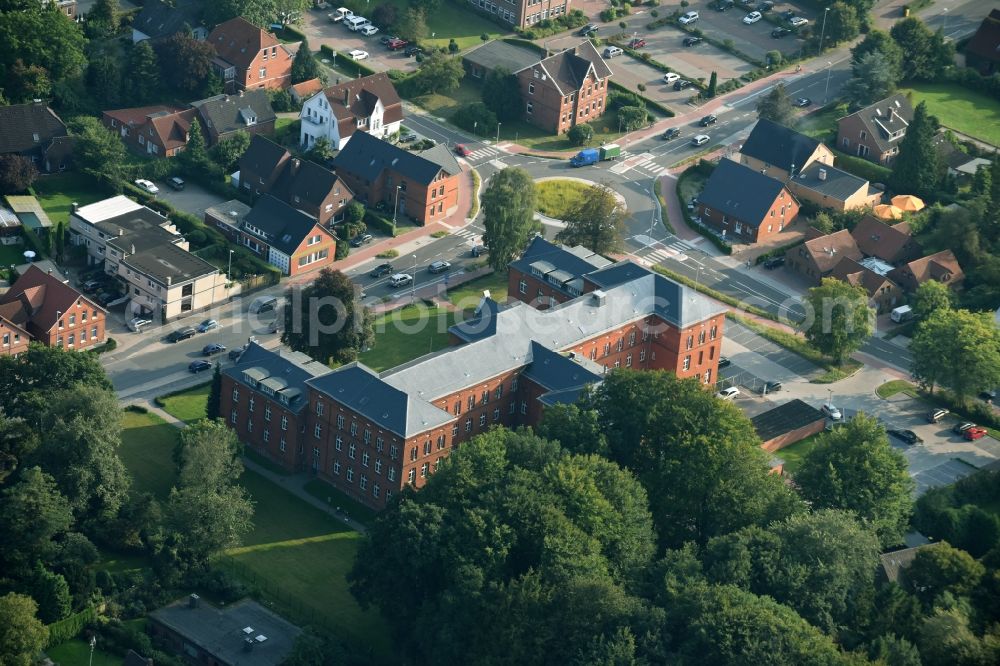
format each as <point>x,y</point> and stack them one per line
<point>468,425</point>
<point>411,476</point>
<point>350,474</point>
<point>340,421</point>
<point>376,490</point>
<point>250,404</point>
<point>642,355</point>
<point>284,422</point>
<point>267,412</point>
<point>378,465</point>
<point>236,394</point>
<point>482,420</point>
<point>336,467</point>
<point>522,287</point>
<point>250,425</point>
<point>354,428</point>
<point>524,407</point>
<point>379,443</point>
<point>267,435</point>
<point>496,414</point>
<point>368,436</point>
<point>529,108</point>
<point>319,408</point>
<point>281,445</point>
<point>338,443</point>
<point>687,363</point>
<point>350,451</point>
<point>513,407</point>
<point>364,459</point>
<point>318,431</point>
<point>423,470</point>
<point>363,482</point>
<point>393,452</point>
<point>391,474</point>
<point>232,417</point>
<point>628,360</point>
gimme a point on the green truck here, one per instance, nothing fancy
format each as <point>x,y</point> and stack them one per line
<point>589,156</point>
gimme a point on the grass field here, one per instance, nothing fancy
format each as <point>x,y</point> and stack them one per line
<point>299,557</point>
<point>822,124</point>
<point>793,455</point>
<point>12,254</point>
<point>895,386</point>
<point>960,109</point>
<point>57,193</point>
<point>556,197</point>
<point>326,493</point>
<point>189,405</point>
<point>405,334</point>
<point>468,295</point>
<point>77,653</point>
<point>147,451</point>
<point>453,20</point>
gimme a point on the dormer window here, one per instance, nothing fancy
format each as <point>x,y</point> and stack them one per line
<point>36,138</point>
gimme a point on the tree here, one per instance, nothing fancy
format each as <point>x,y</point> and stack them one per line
<point>941,569</point>
<point>213,409</point>
<point>385,15</point>
<point>930,297</point>
<point>259,12</point>
<point>99,151</point>
<point>926,53</point>
<point>33,514</point>
<point>227,153</point>
<point>855,468</point>
<point>27,82</point>
<point>957,349</point>
<point>946,640</point>
<point>208,510</point>
<point>596,221</point>
<point>103,19</point>
<point>577,430</point>
<point>17,173</point>
<point>502,94</point>
<point>893,651</point>
<point>438,73</point>
<point>413,25</point>
<point>194,158</point>
<point>321,151</point>
<point>632,117</point>
<point>42,35</point>
<point>326,319</point>
<point>305,67</point>
<point>843,24</point>
<point>713,82</point>
<point>508,215</point>
<point>185,63</point>
<point>17,439</point>
<point>915,170</point>
<point>22,634</point>
<point>874,79</point>
<point>982,181</point>
<point>476,118</point>
<point>776,106</point>
<point>841,318</point>
<point>104,78</point>
<point>879,41</point>
<point>580,134</point>
<point>142,74</point>
<point>52,594</point>
<point>32,377</point>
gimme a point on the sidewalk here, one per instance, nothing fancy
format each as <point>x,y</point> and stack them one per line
<point>294,484</point>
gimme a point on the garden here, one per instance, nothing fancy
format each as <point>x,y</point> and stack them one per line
<point>958,108</point>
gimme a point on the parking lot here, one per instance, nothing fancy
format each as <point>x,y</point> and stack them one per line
<point>755,40</point>
<point>757,356</point>
<point>321,31</point>
<point>193,199</point>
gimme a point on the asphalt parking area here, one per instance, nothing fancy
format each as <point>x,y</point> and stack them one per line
<point>317,27</point>
<point>755,40</point>
<point>193,199</point>
<point>944,474</point>
<point>748,341</point>
<point>666,45</point>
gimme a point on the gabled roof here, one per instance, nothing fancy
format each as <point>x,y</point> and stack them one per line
<point>238,41</point>
<point>21,123</point>
<point>283,227</point>
<point>544,258</point>
<point>877,239</point>
<point>37,299</point>
<point>306,88</point>
<point>942,266</point>
<point>894,563</point>
<point>357,98</point>
<point>263,156</point>
<point>286,372</point>
<point>228,113</point>
<point>567,70</point>
<point>830,181</point>
<point>170,123</point>
<point>556,372</point>
<point>305,182</point>
<point>780,146</point>
<point>499,54</point>
<point>367,157</point>
<point>826,251</point>
<point>883,118</point>
<point>858,275</point>
<point>785,418</point>
<point>161,19</point>
<point>985,43</point>
<point>740,192</point>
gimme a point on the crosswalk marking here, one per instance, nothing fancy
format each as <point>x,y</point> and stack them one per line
<point>484,153</point>
<point>498,164</point>
<point>466,233</point>
<point>676,250</point>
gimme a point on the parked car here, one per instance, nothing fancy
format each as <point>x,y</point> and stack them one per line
<point>400,280</point>
<point>612,51</point>
<point>395,43</point>
<point>361,239</point>
<point>710,119</point>
<point>462,149</point>
<point>146,185</point>
<point>936,415</point>
<point>960,428</point>
<point>765,6</point>
<point>136,324</point>
<point>682,84</point>
<point>357,54</point>
<point>973,434</point>
<point>412,51</point>
<point>637,43</point>
<point>214,348</point>
<point>724,362</point>
<point>381,269</point>
<point>199,366</point>
<point>831,411</point>
<point>234,354</point>
<point>770,387</point>
<point>670,77</point>
<point>176,182</point>
<point>798,22</point>
<point>106,297</point>
<point>691,41</point>
<point>774,262</point>
<point>778,33</point>
<point>803,102</point>
<point>907,436</point>
<point>208,325</point>
<point>688,18</point>
<point>700,140</point>
<point>181,334</point>
<point>439,267</point>
<point>408,137</point>
<point>91,286</point>
<point>752,18</point>
<point>587,29</point>
<point>671,133</point>
<point>479,250</point>
<point>728,393</point>
<point>368,30</point>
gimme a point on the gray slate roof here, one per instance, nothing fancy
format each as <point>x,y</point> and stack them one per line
<point>20,122</point>
<point>308,181</point>
<point>563,264</point>
<point>499,54</point>
<point>838,184</point>
<point>284,228</point>
<point>739,191</point>
<point>160,19</point>
<point>229,113</point>
<point>262,156</point>
<point>778,145</point>
<point>367,157</point>
<point>280,366</point>
<point>884,117</point>
<point>568,69</point>
<point>556,372</point>
<point>785,418</point>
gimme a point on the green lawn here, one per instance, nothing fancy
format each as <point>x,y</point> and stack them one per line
<point>57,194</point>
<point>443,106</point>
<point>961,109</point>
<point>77,653</point>
<point>556,197</point>
<point>895,386</point>
<point>453,20</point>
<point>188,406</point>
<point>468,295</point>
<point>326,493</point>
<point>822,124</point>
<point>147,451</point>
<point>793,455</point>
<point>405,334</point>
<point>299,556</point>
<point>12,254</point>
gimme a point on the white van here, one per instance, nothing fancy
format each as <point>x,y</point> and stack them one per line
<point>400,280</point>
<point>263,304</point>
<point>901,314</point>
<point>355,23</point>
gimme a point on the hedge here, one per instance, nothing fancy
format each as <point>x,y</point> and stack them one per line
<point>516,41</point>
<point>474,208</point>
<point>612,85</point>
<point>377,221</point>
<point>873,173</point>
<point>364,69</point>
<point>70,627</point>
<point>289,32</point>
<point>658,191</point>
<point>109,345</point>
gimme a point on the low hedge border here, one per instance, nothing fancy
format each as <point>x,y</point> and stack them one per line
<point>658,191</point>
<point>873,173</point>
<point>778,251</point>
<point>474,208</point>
<point>375,220</point>
<point>612,85</point>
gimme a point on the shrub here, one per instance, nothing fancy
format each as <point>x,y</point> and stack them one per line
<point>343,249</point>
<point>452,46</point>
<point>391,253</point>
<point>580,135</point>
<point>138,409</point>
<point>109,345</point>
<point>607,15</point>
<point>475,118</point>
<point>70,627</point>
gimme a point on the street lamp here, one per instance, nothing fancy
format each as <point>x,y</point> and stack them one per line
<point>944,21</point>
<point>826,90</point>
<point>498,133</point>
<point>413,282</point>
<point>93,644</point>
<point>395,208</point>
<point>822,33</point>
<point>229,270</point>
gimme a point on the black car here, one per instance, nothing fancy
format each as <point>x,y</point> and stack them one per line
<point>710,119</point>
<point>724,362</point>
<point>803,102</point>
<point>106,297</point>
<point>385,39</point>
<point>788,15</point>
<point>691,41</point>
<point>380,270</point>
<point>586,30</point>
<point>671,133</point>
<point>778,33</point>
<point>181,334</point>
<point>361,239</point>
<point>199,366</point>
<point>907,436</point>
<point>960,428</point>
<point>765,6</point>
<point>214,348</point>
<point>412,51</point>
<point>774,262</point>
<point>682,84</point>
<point>770,387</point>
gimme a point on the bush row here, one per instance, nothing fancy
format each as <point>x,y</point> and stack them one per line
<point>873,173</point>
<point>974,81</point>
<point>70,627</point>
<point>375,220</point>
<point>639,100</point>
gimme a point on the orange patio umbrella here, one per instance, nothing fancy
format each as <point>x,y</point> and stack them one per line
<point>907,203</point>
<point>887,212</point>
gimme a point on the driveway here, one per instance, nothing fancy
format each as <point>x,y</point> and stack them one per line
<point>317,27</point>
<point>193,199</point>
<point>756,356</point>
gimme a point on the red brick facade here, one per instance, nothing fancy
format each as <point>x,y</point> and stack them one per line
<point>266,425</point>
<point>782,212</point>
<point>424,203</point>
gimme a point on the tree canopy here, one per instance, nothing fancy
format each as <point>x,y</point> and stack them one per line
<point>438,73</point>
<point>305,67</point>
<point>930,297</point>
<point>502,94</point>
<point>915,169</point>
<point>596,220</point>
<point>957,349</point>
<point>22,634</point>
<point>99,151</point>
<point>40,35</point>
<point>326,320</point>
<point>841,318</point>
<point>509,203</point>
<point>874,79</point>
<point>776,105</point>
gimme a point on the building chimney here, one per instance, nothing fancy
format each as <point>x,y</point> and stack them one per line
<point>296,163</point>
<point>822,174</point>
<point>74,206</point>
<point>193,600</point>
<point>169,280</point>
<point>347,97</point>
<point>598,298</point>
<point>121,232</point>
<point>241,93</point>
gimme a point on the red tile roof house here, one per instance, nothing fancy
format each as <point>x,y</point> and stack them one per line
<point>883,293</point>
<point>51,312</point>
<point>35,131</point>
<point>892,244</point>
<point>160,131</point>
<point>565,89</point>
<point>743,205</point>
<point>816,258</point>
<point>941,266</point>
<point>366,105</point>
<point>248,57</point>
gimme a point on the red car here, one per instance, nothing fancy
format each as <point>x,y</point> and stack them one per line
<point>974,433</point>
<point>637,43</point>
<point>396,44</point>
<point>462,149</point>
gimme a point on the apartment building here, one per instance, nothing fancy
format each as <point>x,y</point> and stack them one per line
<point>523,13</point>
<point>565,89</point>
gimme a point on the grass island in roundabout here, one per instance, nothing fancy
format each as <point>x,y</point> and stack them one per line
<point>557,196</point>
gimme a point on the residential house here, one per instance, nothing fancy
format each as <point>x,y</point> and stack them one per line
<point>248,57</point>
<point>871,275</point>
<point>367,105</point>
<point>940,266</point>
<point>11,227</point>
<point>893,565</point>
<point>892,244</point>
<point>565,89</point>
<point>959,164</point>
<point>816,258</point>
<point>423,186</point>
<point>497,54</point>
<point>34,130</point>
<point>40,307</point>
<point>547,274</point>
<point>67,7</point>
<point>876,131</point>
<point>744,205</point>
<point>227,217</point>
<point>300,92</point>
<point>149,258</point>
<point>224,115</point>
<point>983,49</point>
<point>524,13</point>
<point>287,238</point>
<point>267,168</point>
<point>160,131</point>
<point>159,19</point>
<point>780,152</point>
<point>830,187</point>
